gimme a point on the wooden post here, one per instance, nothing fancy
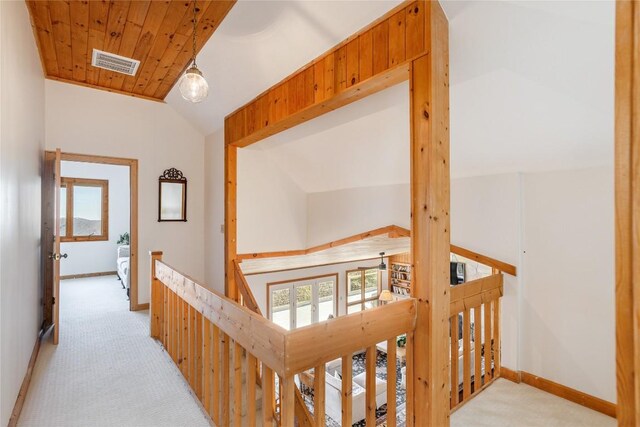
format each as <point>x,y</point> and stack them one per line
<point>287,402</point>
<point>627,201</point>
<point>430,239</point>
<point>156,306</point>
<point>230,217</point>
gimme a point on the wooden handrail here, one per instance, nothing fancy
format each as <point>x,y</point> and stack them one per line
<point>393,231</point>
<point>248,298</point>
<point>476,292</point>
<point>307,347</point>
<point>265,339</point>
<point>483,259</point>
<point>207,334</point>
<point>477,305</point>
<point>302,412</point>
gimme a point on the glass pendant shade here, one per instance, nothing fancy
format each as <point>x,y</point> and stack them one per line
<point>193,86</point>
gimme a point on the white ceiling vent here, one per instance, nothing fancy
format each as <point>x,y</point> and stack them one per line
<point>113,62</point>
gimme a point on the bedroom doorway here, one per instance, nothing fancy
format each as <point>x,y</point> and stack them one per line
<point>97,208</point>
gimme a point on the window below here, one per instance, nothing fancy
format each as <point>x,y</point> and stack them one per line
<point>301,302</point>
<point>361,297</point>
<point>84,210</point>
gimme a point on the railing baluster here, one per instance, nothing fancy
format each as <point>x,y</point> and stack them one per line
<point>175,327</point>
<point>477,376</point>
<point>215,386</point>
<point>226,346</point>
<point>184,338</point>
<point>496,336</point>
<point>370,392</point>
<point>198,353</point>
<point>165,316</point>
<point>455,396</point>
<point>347,386</point>
<point>237,384</point>
<point>206,371</point>
<point>319,374</point>
<point>268,396</point>
<point>487,342</point>
<point>251,389</point>
<point>466,359</point>
<point>409,383</point>
<point>391,382</point>
<point>193,350</point>
<point>156,298</point>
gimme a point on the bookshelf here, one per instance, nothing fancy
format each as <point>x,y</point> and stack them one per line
<point>400,274</point>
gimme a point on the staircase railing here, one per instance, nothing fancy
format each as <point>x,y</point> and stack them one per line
<point>475,336</point>
<point>215,342</point>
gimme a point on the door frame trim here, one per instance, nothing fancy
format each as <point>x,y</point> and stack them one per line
<point>133,215</point>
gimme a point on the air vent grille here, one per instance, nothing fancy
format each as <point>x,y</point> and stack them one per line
<point>113,62</point>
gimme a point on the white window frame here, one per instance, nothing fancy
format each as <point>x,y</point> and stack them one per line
<point>292,285</point>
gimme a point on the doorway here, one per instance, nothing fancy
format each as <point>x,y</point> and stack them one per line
<point>89,196</point>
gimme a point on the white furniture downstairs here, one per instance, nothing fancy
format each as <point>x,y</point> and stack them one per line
<point>333,394</point>
<point>122,262</point>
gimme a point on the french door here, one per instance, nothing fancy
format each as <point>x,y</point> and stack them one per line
<point>299,303</point>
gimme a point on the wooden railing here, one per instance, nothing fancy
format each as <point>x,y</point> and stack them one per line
<point>476,305</point>
<point>216,343</point>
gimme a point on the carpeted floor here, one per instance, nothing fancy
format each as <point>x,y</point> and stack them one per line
<point>106,371</point>
<point>506,404</point>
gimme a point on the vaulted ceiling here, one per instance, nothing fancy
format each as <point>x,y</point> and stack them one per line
<point>157,33</point>
<point>531,88</point>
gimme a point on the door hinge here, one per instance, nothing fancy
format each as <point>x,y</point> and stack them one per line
<point>53,300</point>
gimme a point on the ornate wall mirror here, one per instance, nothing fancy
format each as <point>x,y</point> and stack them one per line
<point>172,204</point>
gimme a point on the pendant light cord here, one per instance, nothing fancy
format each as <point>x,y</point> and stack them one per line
<point>194,33</point>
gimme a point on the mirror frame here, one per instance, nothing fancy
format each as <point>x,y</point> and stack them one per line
<point>172,175</point>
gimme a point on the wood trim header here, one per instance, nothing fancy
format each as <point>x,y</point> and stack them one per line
<point>373,59</point>
<point>393,231</point>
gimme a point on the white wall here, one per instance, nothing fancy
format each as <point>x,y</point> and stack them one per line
<point>99,256</point>
<point>568,306</point>
<point>258,282</point>
<point>272,209</point>
<point>87,121</point>
<point>332,215</point>
<point>557,228</point>
<point>21,151</point>
<point>485,218</point>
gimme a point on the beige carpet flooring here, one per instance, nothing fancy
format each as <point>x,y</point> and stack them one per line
<point>106,371</point>
<point>506,404</point>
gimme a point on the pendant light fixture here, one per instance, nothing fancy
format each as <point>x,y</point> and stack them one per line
<point>193,86</point>
<point>382,265</point>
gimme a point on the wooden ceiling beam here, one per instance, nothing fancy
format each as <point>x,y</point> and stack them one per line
<point>371,60</point>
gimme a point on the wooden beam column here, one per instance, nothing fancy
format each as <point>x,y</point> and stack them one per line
<point>230,216</point>
<point>627,200</point>
<point>429,116</point>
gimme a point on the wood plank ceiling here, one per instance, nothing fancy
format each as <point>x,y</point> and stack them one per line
<point>157,33</point>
